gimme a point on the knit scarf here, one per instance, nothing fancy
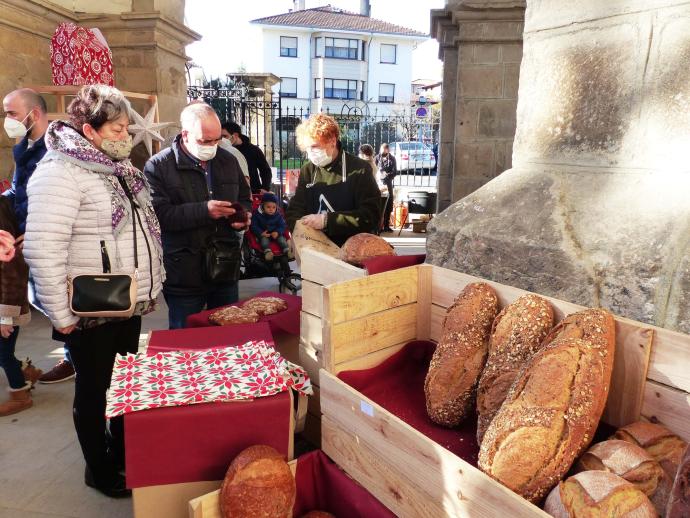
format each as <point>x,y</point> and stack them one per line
<point>63,139</point>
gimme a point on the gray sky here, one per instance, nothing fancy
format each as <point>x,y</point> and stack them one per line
<point>228,35</point>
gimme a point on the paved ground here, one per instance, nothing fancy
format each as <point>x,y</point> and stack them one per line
<point>41,467</point>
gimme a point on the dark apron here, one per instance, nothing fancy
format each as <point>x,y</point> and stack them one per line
<point>321,198</point>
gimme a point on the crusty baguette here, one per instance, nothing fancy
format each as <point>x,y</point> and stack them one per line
<point>634,464</point>
<point>657,440</point>
<point>459,358</point>
<point>549,416</point>
<point>598,494</point>
<point>679,503</point>
<point>517,333</point>
<point>258,483</point>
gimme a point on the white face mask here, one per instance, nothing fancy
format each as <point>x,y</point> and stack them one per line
<point>319,157</point>
<point>203,153</point>
<point>16,129</point>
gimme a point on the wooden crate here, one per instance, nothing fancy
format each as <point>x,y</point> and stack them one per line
<point>407,471</point>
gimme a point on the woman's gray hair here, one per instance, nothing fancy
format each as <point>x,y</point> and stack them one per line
<point>97,104</point>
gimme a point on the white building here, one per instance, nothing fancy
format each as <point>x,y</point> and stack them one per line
<point>328,58</point>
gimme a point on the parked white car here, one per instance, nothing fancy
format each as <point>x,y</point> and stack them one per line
<point>413,156</point>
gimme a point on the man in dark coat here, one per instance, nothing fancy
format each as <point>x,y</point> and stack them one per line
<point>388,170</point>
<point>193,184</point>
<point>260,174</point>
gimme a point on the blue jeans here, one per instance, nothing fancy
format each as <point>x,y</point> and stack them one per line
<point>12,366</point>
<point>181,306</point>
<point>266,242</point>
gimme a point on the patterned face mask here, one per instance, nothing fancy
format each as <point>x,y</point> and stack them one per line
<point>117,149</point>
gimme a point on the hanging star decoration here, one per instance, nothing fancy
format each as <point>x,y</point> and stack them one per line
<point>145,130</point>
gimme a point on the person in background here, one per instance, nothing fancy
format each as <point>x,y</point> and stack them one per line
<point>87,205</point>
<point>336,191</point>
<point>366,153</point>
<point>387,171</point>
<point>269,225</point>
<point>194,184</point>
<point>227,146</point>
<point>260,174</point>
<point>14,312</point>
<point>26,117</point>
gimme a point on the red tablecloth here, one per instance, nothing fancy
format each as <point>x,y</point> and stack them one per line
<point>198,442</point>
<point>322,486</point>
<point>286,321</point>
<point>392,262</point>
<point>397,385</point>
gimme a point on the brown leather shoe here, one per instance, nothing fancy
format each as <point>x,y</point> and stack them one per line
<point>19,400</point>
<point>62,371</point>
<point>31,373</point>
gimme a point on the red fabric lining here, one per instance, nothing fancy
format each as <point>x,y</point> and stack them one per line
<point>286,321</point>
<point>392,262</point>
<point>322,486</point>
<point>397,385</point>
<point>198,442</point>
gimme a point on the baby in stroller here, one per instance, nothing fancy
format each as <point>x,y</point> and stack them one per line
<point>269,225</point>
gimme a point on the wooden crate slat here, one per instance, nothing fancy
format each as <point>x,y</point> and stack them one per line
<point>311,361</point>
<point>311,331</point>
<point>350,340</point>
<point>370,360</point>
<point>405,499</point>
<point>668,406</point>
<point>633,348</point>
<point>462,488</point>
<point>436,322</point>
<point>323,269</point>
<point>670,361</point>
<point>424,287</point>
<point>372,294</point>
<point>312,298</point>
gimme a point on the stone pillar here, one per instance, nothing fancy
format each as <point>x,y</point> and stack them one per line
<point>481,46</point>
<point>595,209</point>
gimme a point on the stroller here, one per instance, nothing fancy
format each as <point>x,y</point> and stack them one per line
<point>255,266</point>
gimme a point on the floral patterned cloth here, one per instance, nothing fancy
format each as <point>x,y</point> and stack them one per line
<point>176,378</point>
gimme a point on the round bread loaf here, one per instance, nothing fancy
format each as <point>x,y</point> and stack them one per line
<point>451,382</point>
<point>657,440</point>
<point>361,247</point>
<point>634,464</point>
<point>598,494</point>
<point>318,514</point>
<point>517,333</point>
<point>240,215</point>
<point>233,315</point>
<point>258,483</point>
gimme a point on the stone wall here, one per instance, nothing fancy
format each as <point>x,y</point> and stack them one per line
<point>595,209</point>
<point>481,45</point>
<point>148,51</point>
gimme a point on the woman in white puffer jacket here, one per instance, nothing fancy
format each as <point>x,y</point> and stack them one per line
<point>77,200</point>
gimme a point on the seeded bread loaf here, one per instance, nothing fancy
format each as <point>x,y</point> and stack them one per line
<point>657,440</point>
<point>549,416</point>
<point>679,503</point>
<point>258,483</point>
<point>632,463</point>
<point>598,494</point>
<point>517,333</point>
<point>361,247</point>
<point>460,355</point>
<point>233,315</point>
<point>594,325</point>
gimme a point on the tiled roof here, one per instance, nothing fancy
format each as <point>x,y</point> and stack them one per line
<point>333,18</point>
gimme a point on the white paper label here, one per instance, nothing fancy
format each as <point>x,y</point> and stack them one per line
<point>366,408</point>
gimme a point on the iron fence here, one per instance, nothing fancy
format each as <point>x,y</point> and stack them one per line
<point>412,134</point>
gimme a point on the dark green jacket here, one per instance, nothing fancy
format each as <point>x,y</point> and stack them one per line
<point>340,225</point>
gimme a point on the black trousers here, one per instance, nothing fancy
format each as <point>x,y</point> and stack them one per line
<point>389,204</point>
<point>93,355</point>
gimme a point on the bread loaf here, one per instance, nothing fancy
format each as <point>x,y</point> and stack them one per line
<point>632,463</point>
<point>516,334</point>
<point>361,247</point>
<point>657,440</point>
<point>233,315</point>
<point>459,358</point>
<point>258,483</point>
<point>679,503</point>
<point>265,305</point>
<point>598,494</point>
<point>549,416</point>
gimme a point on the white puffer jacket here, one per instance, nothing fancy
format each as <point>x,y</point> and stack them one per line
<point>69,215</point>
